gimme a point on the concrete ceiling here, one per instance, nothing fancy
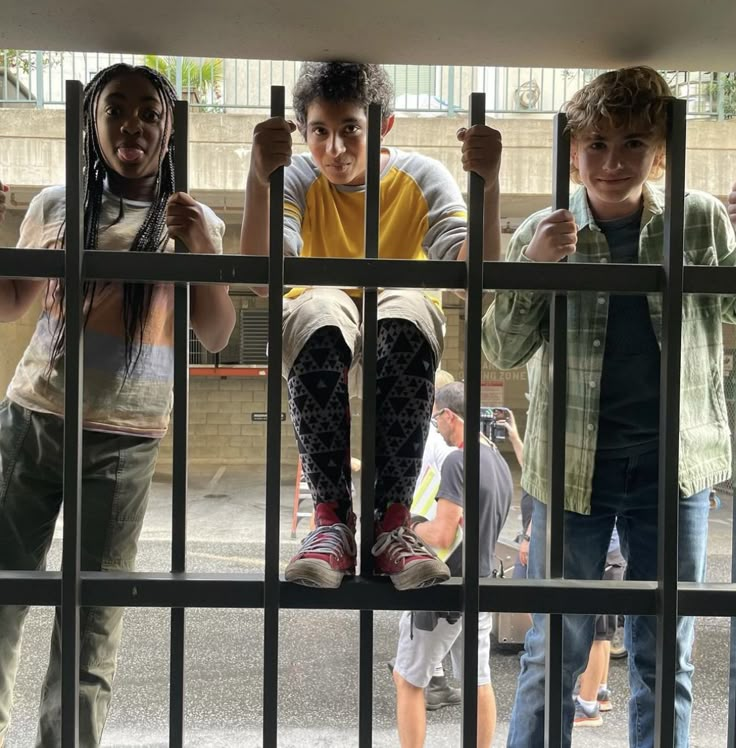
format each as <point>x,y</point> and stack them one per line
<point>667,34</point>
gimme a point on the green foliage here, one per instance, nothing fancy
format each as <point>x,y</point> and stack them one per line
<point>725,85</point>
<point>201,78</point>
<point>24,60</point>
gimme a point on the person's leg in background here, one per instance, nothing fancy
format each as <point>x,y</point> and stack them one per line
<point>587,711</point>
<point>424,639</point>
<point>615,568</point>
<point>604,692</point>
<point>486,695</point>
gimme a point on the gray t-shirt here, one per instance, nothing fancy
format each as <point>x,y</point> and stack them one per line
<point>496,491</point>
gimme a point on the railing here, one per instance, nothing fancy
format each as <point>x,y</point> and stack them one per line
<point>36,78</point>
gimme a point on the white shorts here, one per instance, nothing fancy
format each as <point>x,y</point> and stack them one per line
<point>421,650</point>
<point>332,307</point>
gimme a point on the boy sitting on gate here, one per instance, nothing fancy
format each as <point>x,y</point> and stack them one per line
<point>422,216</point>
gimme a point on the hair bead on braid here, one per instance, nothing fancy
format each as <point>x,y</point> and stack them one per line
<point>151,236</point>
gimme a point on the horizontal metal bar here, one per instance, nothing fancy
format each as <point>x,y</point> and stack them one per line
<point>165,590</point>
<point>719,600</point>
<point>170,268</point>
<point>709,279</point>
<point>173,590</point>
<point>374,273</point>
<point>568,596</point>
<point>30,588</point>
<point>573,276</point>
<point>31,263</point>
<point>163,268</point>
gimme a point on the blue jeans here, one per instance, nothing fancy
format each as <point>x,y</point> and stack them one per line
<point>623,489</point>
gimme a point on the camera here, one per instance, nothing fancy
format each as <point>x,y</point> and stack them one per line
<point>489,418</point>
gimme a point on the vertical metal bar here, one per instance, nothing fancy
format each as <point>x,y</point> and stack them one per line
<point>179,479</point>
<point>73,393</point>
<point>720,95</point>
<point>40,94</point>
<point>471,449</point>
<point>368,422</point>
<point>273,444</point>
<point>555,542</point>
<point>669,420</point>
<point>450,90</point>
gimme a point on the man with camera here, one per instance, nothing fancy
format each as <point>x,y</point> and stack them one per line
<point>425,638</point>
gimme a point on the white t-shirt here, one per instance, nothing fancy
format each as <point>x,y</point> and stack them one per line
<point>139,404</point>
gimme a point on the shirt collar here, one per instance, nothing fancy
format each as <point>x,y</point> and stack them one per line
<point>579,207</point>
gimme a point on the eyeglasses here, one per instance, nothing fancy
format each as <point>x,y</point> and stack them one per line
<point>434,418</point>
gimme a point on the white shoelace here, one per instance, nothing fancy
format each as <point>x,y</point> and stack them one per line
<point>334,540</point>
<point>405,543</point>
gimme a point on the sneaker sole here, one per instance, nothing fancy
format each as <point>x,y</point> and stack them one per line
<point>441,705</point>
<point>588,723</point>
<point>313,573</point>
<point>605,706</point>
<point>421,574</point>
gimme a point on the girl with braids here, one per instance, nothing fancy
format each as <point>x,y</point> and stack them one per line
<point>128,374</point>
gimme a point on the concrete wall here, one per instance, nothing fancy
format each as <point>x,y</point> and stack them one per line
<point>32,154</point>
<point>222,429</point>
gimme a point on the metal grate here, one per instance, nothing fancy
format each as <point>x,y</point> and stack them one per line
<point>253,337</point>
<point>664,598</point>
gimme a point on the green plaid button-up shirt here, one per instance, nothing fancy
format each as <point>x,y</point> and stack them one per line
<point>516,332</point>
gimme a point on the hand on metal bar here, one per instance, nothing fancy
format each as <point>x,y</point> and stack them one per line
<point>271,148</point>
<point>481,152</point>
<point>554,239</point>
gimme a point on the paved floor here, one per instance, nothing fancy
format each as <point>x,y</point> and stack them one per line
<point>319,649</point>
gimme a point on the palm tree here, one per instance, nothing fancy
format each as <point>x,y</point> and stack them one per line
<point>199,79</point>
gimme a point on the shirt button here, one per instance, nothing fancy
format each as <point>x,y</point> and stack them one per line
<point>592,383</point>
<point>590,427</point>
<point>596,343</point>
<point>522,311</point>
<point>603,259</point>
<point>601,299</point>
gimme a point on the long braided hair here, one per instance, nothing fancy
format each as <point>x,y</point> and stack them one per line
<point>151,236</point>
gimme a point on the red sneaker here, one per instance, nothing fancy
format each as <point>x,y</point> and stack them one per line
<point>327,554</point>
<point>402,555</point>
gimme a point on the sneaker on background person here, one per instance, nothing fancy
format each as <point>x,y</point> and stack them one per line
<point>438,694</point>
<point>587,717</point>
<point>604,700</point>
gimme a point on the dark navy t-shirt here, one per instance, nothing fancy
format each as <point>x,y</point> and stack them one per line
<point>496,490</point>
<point>629,394</point>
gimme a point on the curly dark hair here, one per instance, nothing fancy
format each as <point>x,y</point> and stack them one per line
<point>342,82</point>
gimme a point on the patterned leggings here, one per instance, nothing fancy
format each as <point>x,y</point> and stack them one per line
<point>320,411</point>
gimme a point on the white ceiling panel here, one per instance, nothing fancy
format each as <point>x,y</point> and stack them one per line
<point>549,33</point>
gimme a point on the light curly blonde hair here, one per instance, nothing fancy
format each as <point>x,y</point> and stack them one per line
<point>633,97</point>
<point>441,378</point>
